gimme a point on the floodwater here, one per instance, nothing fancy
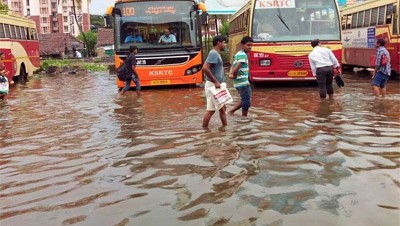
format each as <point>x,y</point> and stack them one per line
<point>73,152</point>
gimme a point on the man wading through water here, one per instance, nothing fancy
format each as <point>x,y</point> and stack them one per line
<point>322,62</point>
<point>131,64</point>
<point>214,69</point>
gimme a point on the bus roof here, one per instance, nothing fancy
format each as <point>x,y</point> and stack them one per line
<point>7,17</point>
<point>365,5</point>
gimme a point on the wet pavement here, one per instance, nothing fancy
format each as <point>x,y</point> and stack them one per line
<point>72,152</point>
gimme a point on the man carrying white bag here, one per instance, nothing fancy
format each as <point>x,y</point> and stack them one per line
<point>213,68</point>
<point>221,96</point>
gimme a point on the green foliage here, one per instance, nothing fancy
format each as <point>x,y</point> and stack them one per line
<point>45,64</point>
<point>3,7</point>
<point>91,38</point>
<point>224,29</point>
<point>96,21</point>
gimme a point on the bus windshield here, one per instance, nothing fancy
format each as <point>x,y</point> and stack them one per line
<point>144,24</point>
<point>295,20</point>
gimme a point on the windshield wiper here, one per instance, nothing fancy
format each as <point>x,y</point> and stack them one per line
<point>280,15</point>
<point>280,18</point>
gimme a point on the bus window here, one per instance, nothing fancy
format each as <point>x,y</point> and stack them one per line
<point>23,33</point>
<point>367,17</point>
<point>374,17</point>
<point>389,12</point>
<point>360,19</point>
<point>7,30</point>
<point>18,28</point>
<point>2,34</point>
<point>344,18</point>
<point>381,18</point>
<point>13,34</point>
<point>354,20</point>
<point>348,22</point>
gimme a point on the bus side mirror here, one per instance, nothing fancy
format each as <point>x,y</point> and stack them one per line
<point>117,12</point>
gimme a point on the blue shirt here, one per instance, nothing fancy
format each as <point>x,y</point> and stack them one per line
<point>131,38</point>
<point>242,78</point>
<point>384,69</point>
<point>171,38</point>
<point>217,66</point>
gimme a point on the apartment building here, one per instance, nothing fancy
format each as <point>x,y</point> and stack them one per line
<point>53,16</point>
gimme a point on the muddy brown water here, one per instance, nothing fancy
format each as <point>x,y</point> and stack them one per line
<point>72,152</point>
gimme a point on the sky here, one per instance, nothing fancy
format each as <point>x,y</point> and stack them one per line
<point>98,7</point>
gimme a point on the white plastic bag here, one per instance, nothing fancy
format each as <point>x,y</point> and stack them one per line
<point>4,86</point>
<point>220,96</point>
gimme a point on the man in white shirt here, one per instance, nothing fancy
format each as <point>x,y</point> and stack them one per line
<point>167,37</point>
<point>322,62</point>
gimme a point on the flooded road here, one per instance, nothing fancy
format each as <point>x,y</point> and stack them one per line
<point>72,152</point>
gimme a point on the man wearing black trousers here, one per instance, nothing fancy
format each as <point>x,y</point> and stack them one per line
<point>322,62</point>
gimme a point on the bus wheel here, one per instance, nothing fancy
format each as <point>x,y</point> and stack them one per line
<point>23,76</point>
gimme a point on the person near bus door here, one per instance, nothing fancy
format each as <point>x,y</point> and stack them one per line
<point>382,70</point>
<point>323,62</point>
<point>131,63</point>
<point>214,70</point>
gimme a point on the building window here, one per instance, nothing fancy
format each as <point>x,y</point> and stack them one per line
<point>43,2</point>
<point>44,20</point>
<point>43,11</point>
<point>45,30</point>
<point>66,29</point>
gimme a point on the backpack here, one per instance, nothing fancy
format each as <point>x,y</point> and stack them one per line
<point>384,60</point>
<point>123,72</point>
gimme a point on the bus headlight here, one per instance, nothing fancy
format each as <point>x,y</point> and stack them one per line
<point>188,72</point>
<point>265,62</point>
<point>193,70</point>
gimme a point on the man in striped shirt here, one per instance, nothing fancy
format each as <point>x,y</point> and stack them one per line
<point>240,75</point>
<point>382,72</point>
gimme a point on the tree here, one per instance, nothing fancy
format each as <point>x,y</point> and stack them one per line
<point>91,41</point>
<point>3,7</point>
<point>96,21</point>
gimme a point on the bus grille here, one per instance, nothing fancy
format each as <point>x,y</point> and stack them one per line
<point>163,60</point>
<point>291,62</point>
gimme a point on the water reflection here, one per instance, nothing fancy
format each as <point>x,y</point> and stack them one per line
<point>74,152</point>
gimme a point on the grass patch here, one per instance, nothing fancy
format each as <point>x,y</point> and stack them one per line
<point>72,63</point>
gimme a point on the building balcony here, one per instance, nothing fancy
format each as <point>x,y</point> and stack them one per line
<point>55,19</point>
<point>55,28</point>
<point>54,10</point>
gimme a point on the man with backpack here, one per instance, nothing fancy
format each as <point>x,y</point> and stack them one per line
<point>382,69</point>
<point>130,64</point>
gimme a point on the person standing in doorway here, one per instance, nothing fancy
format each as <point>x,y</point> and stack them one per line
<point>131,64</point>
<point>382,69</point>
<point>214,70</point>
<point>240,74</point>
<point>322,62</point>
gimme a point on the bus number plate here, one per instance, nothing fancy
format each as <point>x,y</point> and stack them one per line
<point>297,73</point>
<point>160,82</point>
